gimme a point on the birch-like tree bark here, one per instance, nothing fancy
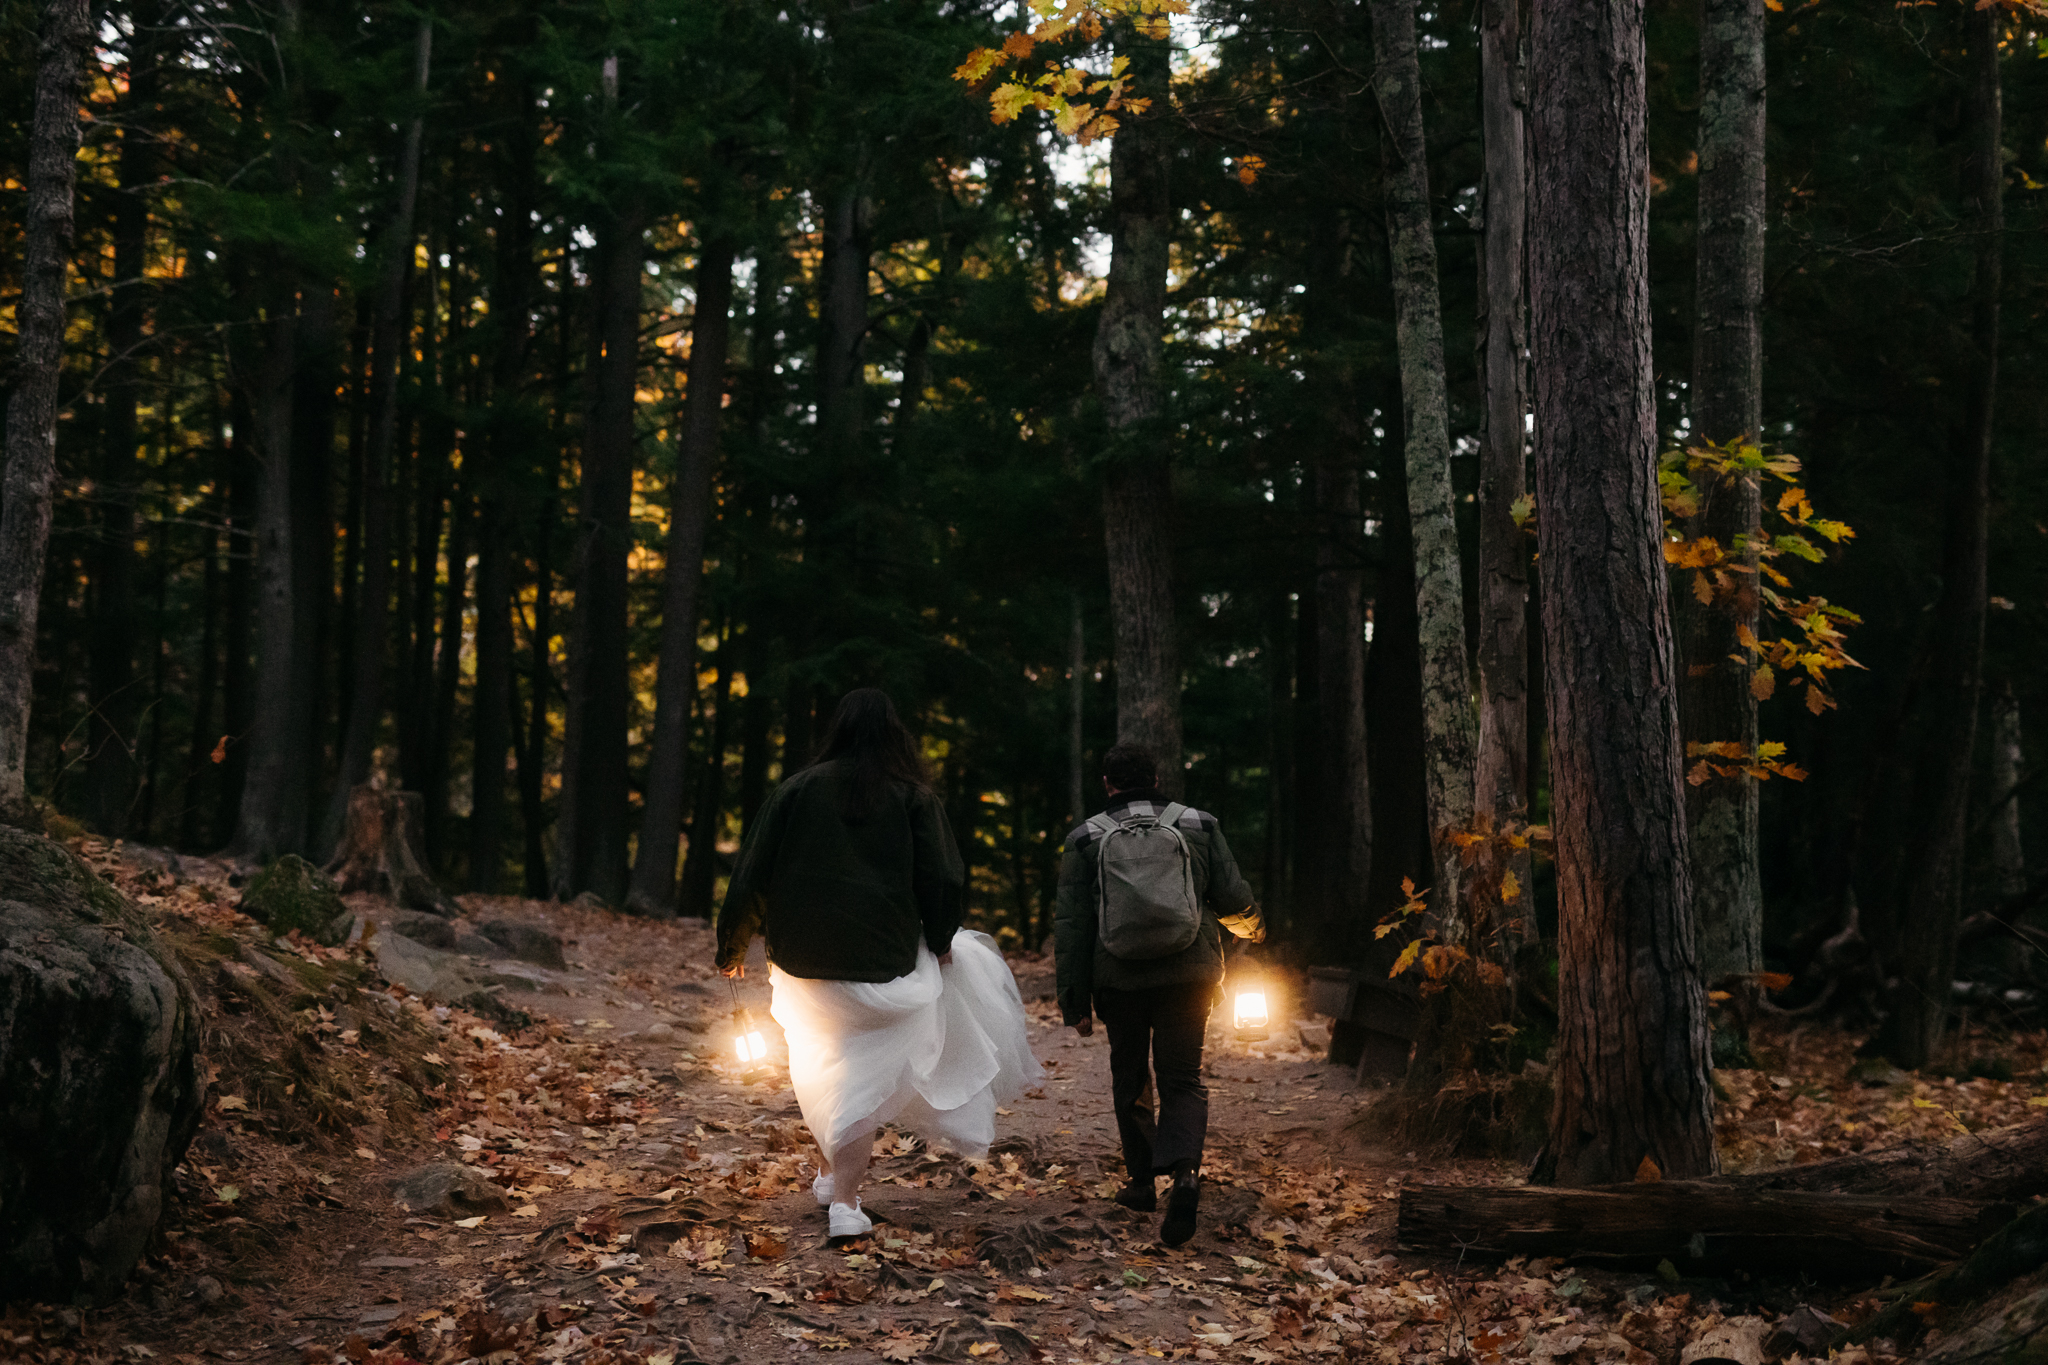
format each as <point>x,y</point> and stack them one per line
<point>1715,701</point>
<point>653,891</point>
<point>1137,490</point>
<point>31,450</point>
<point>1450,735</point>
<point>1631,1070</point>
<point>1926,953</point>
<point>388,344</point>
<point>1501,649</point>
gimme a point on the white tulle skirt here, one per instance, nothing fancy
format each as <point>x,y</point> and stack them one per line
<point>933,1052</point>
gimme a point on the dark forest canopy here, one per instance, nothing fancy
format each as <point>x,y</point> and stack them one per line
<point>907,458</point>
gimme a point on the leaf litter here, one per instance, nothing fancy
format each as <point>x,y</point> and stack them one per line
<point>658,1207</point>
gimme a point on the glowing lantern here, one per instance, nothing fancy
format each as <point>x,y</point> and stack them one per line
<point>1250,1012</point>
<point>746,1038</point>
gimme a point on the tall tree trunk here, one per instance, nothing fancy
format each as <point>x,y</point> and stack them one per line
<point>1501,649</point>
<point>312,504</point>
<point>1393,695</point>
<point>843,326</point>
<point>352,512</point>
<point>199,747</point>
<point>2008,853</point>
<point>1137,491</point>
<point>388,346</point>
<point>700,868</point>
<point>1715,703</point>
<point>1450,730</point>
<point>591,829</point>
<point>756,714</point>
<point>1631,1071</point>
<point>38,359</point>
<point>236,703</point>
<point>690,507</point>
<point>1344,858</point>
<point>511,337</point>
<point>1933,910</point>
<point>1275,888</point>
<point>447,679</point>
<point>1077,697</point>
<point>269,820</point>
<point>532,756</point>
<point>113,737</point>
<point>271,817</point>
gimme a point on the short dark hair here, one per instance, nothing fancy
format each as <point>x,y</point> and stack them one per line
<point>1129,766</point>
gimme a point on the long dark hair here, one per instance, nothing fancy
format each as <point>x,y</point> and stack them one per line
<point>877,750</point>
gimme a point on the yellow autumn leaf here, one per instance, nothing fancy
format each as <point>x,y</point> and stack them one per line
<point>1073,117</point>
<point>1008,101</point>
<point>1407,958</point>
<point>978,64</point>
<point>1510,887</point>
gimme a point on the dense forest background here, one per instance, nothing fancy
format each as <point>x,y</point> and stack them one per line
<point>568,220</point>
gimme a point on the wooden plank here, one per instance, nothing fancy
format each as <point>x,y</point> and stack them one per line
<point>1701,1227</point>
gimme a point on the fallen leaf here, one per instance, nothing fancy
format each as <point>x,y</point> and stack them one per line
<point>983,1348</point>
<point>232,1102</point>
<point>475,1222</point>
<point>527,1211</point>
<point>1648,1172</point>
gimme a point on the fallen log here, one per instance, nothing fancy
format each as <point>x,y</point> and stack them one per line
<point>2019,1248</point>
<point>2005,1164</point>
<point>1702,1227</point>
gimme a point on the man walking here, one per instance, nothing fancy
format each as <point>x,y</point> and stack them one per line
<point>1146,890</point>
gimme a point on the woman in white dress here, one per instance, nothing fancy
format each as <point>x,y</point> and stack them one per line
<point>894,1014</point>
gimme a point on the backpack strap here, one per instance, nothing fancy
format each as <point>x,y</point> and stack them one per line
<point>1172,814</point>
<point>1102,824</point>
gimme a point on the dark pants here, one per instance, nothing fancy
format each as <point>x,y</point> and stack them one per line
<point>1157,1034</point>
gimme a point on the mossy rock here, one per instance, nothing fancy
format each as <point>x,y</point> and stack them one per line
<point>100,1088</point>
<point>291,894</point>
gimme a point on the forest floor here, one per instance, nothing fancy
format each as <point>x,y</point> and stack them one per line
<point>658,1207</point>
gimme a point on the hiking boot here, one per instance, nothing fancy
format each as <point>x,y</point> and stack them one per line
<point>1181,1202</point>
<point>1141,1195</point>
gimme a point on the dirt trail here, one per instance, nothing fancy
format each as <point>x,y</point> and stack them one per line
<point>658,1197</point>
<point>656,1207</point>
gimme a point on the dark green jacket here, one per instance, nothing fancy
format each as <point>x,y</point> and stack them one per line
<point>840,900</point>
<point>1084,965</point>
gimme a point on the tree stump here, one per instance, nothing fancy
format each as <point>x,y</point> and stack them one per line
<point>381,851</point>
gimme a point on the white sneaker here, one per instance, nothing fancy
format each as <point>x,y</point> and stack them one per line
<point>821,1190</point>
<point>846,1220</point>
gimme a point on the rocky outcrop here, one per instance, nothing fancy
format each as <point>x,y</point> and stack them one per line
<point>527,942</point>
<point>100,1088</point>
<point>444,1189</point>
<point>293,894</point>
